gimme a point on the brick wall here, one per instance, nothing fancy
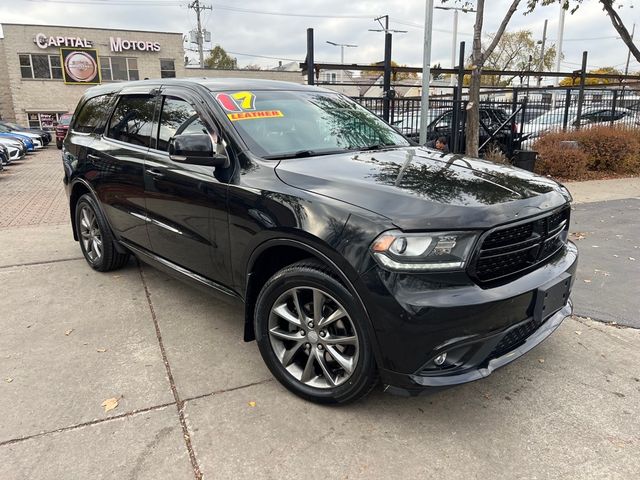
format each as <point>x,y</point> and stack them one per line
<point>27,95</point>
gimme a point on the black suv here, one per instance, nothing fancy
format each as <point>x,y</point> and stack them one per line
<point>357,255</point>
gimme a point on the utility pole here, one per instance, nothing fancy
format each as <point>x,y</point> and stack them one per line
<point>386,78</point>
<point>342,45</point>
<point>544,41</point>
<point>626,68</point>
<point>426,70</point>
<point>559,39</point>
<point>195,5</point>
<point>454,40</point>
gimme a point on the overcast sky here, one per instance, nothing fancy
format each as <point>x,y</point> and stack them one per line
<point>285,36</point>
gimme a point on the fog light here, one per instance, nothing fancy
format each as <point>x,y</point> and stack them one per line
<point>439,360</point>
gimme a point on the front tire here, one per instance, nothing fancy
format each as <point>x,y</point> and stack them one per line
<point>312,335</point>
<point>96,241</point>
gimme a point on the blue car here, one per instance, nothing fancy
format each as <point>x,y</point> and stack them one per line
<point>23,138</point>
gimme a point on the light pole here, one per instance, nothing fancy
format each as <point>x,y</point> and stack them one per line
<point>342,46</point>
<point>454,40</point>
<point>426,70</point>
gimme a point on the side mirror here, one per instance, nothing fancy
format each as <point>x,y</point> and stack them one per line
<point>196,150</point>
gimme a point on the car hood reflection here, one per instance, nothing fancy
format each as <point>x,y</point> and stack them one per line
<point>409,184</point>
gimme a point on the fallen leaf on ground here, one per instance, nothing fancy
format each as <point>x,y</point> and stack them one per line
<point>101,350</point>
<point>252,404</point>
<point>8,380</point>
<point>595,246</point>
<point>541,360</point>
<point>587,281</point>
<point>632,259</point>
<point>616,256</point>
<point>578,332</point>
<point>110,403</point>
<point>578,235</point>
<point>68,332</point>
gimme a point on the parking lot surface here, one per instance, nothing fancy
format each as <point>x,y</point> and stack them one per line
<point>195,400</point>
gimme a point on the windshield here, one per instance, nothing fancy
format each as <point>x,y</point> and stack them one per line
<point>277,124</point>
<point>65,120</point>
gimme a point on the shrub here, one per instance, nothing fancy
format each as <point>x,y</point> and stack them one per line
<point>597,149</point>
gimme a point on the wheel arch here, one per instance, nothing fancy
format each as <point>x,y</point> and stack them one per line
<point>78,189</point>
<point>278,253</point>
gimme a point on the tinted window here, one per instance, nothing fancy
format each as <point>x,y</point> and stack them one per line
<point>178,117</point>
<point>92,114</point>
<point>132,119</point>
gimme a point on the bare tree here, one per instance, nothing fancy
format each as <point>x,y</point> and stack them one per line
<point>478,59</point>
<point>609,6</point>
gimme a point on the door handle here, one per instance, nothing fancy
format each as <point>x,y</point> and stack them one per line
<point>155,173</point>
<point>93,158</point>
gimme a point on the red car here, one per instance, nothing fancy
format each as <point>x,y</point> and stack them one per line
<point>62,127</point>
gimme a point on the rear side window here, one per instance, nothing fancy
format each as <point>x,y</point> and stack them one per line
<point>132,120</point>
<point>92,114</point>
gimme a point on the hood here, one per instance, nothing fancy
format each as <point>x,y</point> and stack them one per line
<point>418,188</point>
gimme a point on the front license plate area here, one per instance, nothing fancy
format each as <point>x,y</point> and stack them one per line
<point>551,297</point>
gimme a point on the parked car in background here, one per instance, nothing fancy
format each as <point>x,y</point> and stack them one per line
<point>17,149</point>
<point>44,134</point>
<point>36,139</point>
<point>358,256</point>
<point>506,136</point>
<point>27,141</point>
<point>62,127</point>
<point>553,120</point>
<point>14,152</point>
<point>4,156</point>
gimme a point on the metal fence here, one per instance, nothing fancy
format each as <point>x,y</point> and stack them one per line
<point>513,119</point>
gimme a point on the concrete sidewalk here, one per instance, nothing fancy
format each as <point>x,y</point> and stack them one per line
<point>186,383</point>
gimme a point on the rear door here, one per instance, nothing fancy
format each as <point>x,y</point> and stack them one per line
<point>186,204</point>
<point>118,157</point>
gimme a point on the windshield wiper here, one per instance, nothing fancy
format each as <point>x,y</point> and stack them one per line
<point>302,154</point>
<point>368,148</point>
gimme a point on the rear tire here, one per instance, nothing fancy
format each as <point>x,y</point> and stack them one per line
<point>312,335</point>
<point>96,240</point>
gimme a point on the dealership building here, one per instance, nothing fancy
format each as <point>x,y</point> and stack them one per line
<point>44,70</point>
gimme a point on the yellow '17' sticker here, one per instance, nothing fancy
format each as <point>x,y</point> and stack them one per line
<point>251,115</point>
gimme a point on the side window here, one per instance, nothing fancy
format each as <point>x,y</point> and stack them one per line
<point>92,115</point>
<point>178,117</point>
<point>132,119</point>
<point>445,120</point>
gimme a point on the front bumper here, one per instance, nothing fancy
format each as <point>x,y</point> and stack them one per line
<point>481,329</point>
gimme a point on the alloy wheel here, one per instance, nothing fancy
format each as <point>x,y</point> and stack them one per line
<point>313,337</point>
<point>90,234</point>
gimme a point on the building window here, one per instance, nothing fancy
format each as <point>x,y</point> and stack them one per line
<point>40,66</point>
<point>118,68</point>
<point>167,68</point>
<point>43,121</point>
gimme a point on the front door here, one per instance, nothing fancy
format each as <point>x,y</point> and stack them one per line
<point>186,204</point>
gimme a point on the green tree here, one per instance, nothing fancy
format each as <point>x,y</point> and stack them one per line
<point>219,59</point>
<point>516,51</point>
<point>396,75</point>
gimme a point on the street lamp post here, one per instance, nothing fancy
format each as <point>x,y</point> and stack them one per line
<point>342,46</point>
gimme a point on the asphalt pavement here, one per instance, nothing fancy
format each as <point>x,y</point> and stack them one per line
<point>194,400</point>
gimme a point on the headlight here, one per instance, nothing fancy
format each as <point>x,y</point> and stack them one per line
<point>414,252</point>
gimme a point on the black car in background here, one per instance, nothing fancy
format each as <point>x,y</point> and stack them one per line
<point>358,257</point>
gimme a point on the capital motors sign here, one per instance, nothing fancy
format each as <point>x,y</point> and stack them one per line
<point>120,45</point>
<point>116,44</point>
